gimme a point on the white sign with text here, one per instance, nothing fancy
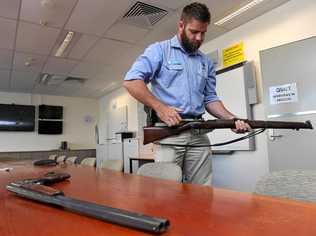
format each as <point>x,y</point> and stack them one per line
<point>283,94</point>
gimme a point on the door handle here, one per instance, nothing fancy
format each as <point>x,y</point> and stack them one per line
<point>272,136</point>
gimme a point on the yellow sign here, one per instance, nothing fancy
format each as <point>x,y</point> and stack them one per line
<point>233,55</point>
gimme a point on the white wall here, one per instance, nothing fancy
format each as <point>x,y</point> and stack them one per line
<point>78,133</point>
<point>112,101</point>
<point>290,22</point>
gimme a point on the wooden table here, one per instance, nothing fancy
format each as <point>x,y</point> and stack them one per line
<point>192,210</point>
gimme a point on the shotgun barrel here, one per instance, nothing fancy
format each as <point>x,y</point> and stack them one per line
<point>34,190</point>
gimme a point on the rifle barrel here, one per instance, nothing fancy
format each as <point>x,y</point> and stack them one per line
<point>154,133</point>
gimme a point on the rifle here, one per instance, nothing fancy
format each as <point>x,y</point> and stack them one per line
<point>37,189</point>
<point>155,133</point>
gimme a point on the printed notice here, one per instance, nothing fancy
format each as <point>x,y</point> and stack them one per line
<point>286,93</point>
<point>233,54</point>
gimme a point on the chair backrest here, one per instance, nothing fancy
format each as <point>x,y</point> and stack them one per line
<point>112,164</point>
<point>60,159</point>
<point>162,170</point>
<point>71,160</point>
<point>292,184</point>
<point>52,157</point>
<point>88,161</point>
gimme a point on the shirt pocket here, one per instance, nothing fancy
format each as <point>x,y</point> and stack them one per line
<point>170,73</point>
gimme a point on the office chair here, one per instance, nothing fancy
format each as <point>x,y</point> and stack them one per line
<point>52,157</point>
<point>116,165</point>
<point>89,161</point>
<point>71,160</point>
<point>162,170</point>
<point>60,159</point>
<point>292,184</point>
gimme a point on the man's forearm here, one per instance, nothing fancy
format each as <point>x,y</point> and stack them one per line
<point>218,110</point>
<point>139,90</point>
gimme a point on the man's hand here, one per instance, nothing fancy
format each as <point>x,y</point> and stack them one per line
<point>169,115</point>
<point>241,127</point>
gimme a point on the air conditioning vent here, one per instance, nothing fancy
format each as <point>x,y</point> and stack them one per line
<point>144,15</point>
<point>51,79</point>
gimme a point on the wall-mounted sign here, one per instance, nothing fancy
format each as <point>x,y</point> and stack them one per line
<point>233,54</point>
<point>285,93</point>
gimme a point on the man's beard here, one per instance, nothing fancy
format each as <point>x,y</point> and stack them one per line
<point>187,45</point>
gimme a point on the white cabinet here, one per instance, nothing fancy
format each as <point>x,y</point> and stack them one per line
<point>109,151</point>
<point>131,149</point>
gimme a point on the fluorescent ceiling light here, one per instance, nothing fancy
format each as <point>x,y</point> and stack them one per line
<point>238,12</point>
<point>64,44</point>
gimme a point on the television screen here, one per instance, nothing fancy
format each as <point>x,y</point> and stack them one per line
<point>50,127</point>
<point>17,117</point>
<point>50,112</point>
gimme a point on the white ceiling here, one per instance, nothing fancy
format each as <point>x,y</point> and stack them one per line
<point>103,48</point>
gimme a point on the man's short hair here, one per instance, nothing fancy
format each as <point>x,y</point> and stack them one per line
<point>196,10</point>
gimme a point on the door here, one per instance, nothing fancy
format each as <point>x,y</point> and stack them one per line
<point>289,93</point>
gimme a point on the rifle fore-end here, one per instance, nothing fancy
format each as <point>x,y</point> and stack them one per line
<point>155,133</point>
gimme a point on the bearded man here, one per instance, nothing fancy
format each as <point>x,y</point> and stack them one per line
<point>182,87</point>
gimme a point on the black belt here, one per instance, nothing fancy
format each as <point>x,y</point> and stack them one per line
<point>193,117</point>
<point>184,117</point>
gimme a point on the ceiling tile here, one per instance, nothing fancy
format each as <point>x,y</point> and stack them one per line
<point>107,51</point>
<point>7,29</point>
<point>23,81</point>
<point>166,29</point>
<point>87,70</point>
<point>28,62</point>
<point>9,8</point>
<point>82,46</point>
<point>172,4</point>
<point>35,38</point>
<point>53,12</point>
<point>213,32</point>
<point>4,80</point>
<point>125,32</point>
<point>44,89</point>
<point>5,59</point>
<point>95,16</point>
<point>59,66</point>
<point>256,11</point>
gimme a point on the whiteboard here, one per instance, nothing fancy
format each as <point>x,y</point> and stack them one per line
<point>236,88</point>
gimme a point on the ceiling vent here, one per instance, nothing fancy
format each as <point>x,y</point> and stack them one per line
<point>144,15</point>
<point>51,79</point>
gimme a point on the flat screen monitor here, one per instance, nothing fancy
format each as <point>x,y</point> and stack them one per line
<point>17,117</point>
<point>50,112</point>
<point>50,127</point>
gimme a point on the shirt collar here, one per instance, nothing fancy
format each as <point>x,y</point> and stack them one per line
<point>176,44</point>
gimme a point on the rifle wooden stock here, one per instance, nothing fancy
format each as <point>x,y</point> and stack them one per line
<point>155,133</point>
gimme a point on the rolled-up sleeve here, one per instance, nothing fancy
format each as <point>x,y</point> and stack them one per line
<point>210,88</point>
<point>146,65</point>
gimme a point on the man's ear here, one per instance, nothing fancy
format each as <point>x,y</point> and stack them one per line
<point>181,25</point>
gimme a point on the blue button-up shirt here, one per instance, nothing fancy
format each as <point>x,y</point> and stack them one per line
<point>178,79</point>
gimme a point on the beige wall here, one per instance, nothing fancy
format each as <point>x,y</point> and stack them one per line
<point>78,133</point>
<point>114,100</point>
<point>290,22</point>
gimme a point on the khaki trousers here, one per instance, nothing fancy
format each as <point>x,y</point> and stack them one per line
<point>195,162</point>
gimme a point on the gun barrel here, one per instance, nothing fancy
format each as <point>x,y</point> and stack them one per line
<point>114,215</point>
<point>153,133</point>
